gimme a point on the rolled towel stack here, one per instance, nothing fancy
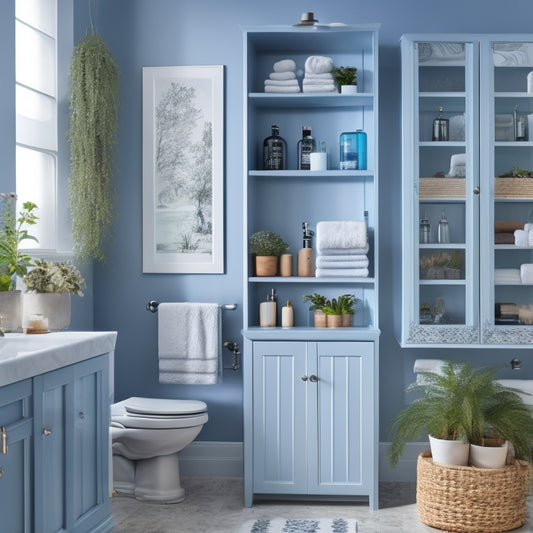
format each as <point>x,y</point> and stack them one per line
<point>523,238</point>
<point>342,248</point>
<point>283,78</point>
<point>318,77</point>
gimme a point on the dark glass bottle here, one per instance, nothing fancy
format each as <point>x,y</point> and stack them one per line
<point>306,145</point>
<point>275,151</point>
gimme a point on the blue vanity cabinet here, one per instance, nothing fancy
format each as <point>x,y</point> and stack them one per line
<point>313,419</point>
<point>71,448</point>
<point>16,429</point>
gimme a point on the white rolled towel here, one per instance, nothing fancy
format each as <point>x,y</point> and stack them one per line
<point>278,89</point>
<point>526,273</point>
<point>318,88</point>
<point>281,83</point>
<point>345,234</point>
<point>341,272</point>
<point>318,64</point>
<point>323,76</point>
<point>282,76</point>
<point>521,238</point>
<point>284,65</point>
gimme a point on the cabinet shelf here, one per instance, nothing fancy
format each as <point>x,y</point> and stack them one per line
<point>312,334</point>
<point>303,100</point>
<point>446,144</point>
<point>316,174</point>
<point>311,280</point>
<point>443,246</point>
<point>442,282</point>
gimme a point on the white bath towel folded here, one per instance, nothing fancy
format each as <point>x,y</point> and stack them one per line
<point>521,238</point>
<point>284,65</point>
<point>331,258</point>
<point>529,238</point>
<point>343,251</point>
<point>281,83</point>
<point>318,64</point>
<point>312,82</point>
<point>507,276</point>
<point>362,262</point>
<point>282,76</point>
<point>189,341</point>
<point>341,272</point>
<point>344,234</point>
<point>282,89</point>
<point>528,226</point>
<point>324,76</point>
<point>318,88</point>
<point>526,273</point>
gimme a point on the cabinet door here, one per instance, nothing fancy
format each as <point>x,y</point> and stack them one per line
<point>341,418</point>
<point>279,417</point>
<point>16,499</point>
<point>71,447</point>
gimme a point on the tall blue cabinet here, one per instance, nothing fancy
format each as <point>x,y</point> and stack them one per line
<point>467,289</point>
<point>310,394</point>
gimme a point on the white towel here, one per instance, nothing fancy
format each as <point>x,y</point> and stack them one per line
<point>337,235</point>
<point>318,64</point>
<point>284,65</point>
<point>521,238</point>
<point>282,76</point>
<point>324,76</point>
<point>528,226</point>
<point>362,262</point>
<point>330,258</point>
<point>281,89</point>
<point>343,251</point>
<point>507,275</point>
<point>281,83</point>
<point>318,88</point>
<point>312,82</point>
<point>529,238</point>
<point>427,365</point>
<point>341,272</point>
<point>526,273</point>
<point>189,343</point>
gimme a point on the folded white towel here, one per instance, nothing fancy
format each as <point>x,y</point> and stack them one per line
<point>521,238</point>
<point>281,83</point>
<point>282,76</point>
<point>308,81</point>
<point>189,335</point>
<point>529,238</point>
<point>343,234</point>
<point>278,89</point>
<point>342,257</point>
<point>507,275</point>
<point>284,65</point>
<point>318,88</point>
<point>318,64</point>
<point>526,273</point>
<point>427,365</point>
<point>528,227</point>
<point>324,76</point>
<point>343,251</point>
<point>341,272</point>
<point>356,263</point>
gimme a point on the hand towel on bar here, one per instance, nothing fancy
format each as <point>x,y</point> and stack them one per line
<point>189,342</point>
<point>282,76</point>
<point>318,64</point>
<point>340,235</point>
<point>526,273</point>
<point>341,272</point>
<point>362,262</point>
<point>277,89</point>
<point>284,65</point>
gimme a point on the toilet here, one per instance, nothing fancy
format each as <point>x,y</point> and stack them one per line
<point>146,436</point>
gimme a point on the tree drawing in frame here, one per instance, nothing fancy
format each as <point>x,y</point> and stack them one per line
<point>183,169</point>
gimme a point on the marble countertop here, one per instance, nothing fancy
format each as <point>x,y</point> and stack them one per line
<point>23,356</point>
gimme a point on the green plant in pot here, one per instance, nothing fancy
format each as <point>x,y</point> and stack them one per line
<point>318,302</point>
<point>267,246</point>
<point>333,312</point>
<point>50,285</point>
<point>345,77</point>
<point>347,303</point>
<point>460,405</point>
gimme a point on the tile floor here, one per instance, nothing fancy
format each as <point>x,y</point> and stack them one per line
<point>215,505</point>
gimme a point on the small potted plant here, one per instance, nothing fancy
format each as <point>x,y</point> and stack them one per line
<point>346,79</point>
<point>267,246</point>
<point>347,303</point>
<point>50,285</point>
<point>318,302</point>
<point>333,312</point>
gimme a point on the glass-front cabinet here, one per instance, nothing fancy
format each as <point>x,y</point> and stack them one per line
<point>467,198</point>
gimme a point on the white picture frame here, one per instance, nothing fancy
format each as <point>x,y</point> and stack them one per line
<point>183,169</point>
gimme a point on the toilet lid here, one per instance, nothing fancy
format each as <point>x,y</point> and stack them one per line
<point>158,407</point>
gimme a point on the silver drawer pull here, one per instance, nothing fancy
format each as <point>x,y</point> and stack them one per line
<point>304,378</point>
<point>4,440</point>
<point>313,378</point>
<point>1,473</point>
<point>47,432</point>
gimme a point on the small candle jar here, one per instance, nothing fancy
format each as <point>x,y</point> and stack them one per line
<point>37,323</point>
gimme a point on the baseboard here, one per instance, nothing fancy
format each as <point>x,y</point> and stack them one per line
<point>216,459</point>
<point>406,469</point>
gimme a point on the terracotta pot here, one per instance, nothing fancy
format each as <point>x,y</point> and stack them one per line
<point>347,320</point>
<point>320,319</point>
<point>11,311</point>
<point>449,452</point>
<point>266,265</point>
<point>334,321</point>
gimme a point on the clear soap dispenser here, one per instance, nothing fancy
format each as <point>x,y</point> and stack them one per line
<point>425,230</point>
<point>443,230</point>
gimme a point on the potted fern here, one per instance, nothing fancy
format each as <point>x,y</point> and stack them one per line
<point>50,285</point>
<point>267,246</point>
<point>318,302</point>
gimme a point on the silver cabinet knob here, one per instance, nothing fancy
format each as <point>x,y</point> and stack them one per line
<point>47,432</point>
<point>313,378</point>
<point>476,190</point>
<point>1,473</point>
<point>304,378</point>
<point>82,415</point>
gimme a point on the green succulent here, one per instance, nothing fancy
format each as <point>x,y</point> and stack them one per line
<point>317,300</point>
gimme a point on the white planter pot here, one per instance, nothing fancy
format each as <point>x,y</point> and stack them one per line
<point>449,452</point>
<point>11,311</point>
<point>348,89</point>
<point>488,456</point>
<point>55,306</point>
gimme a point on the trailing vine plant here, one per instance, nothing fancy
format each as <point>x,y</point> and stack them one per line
<point>93,131</point>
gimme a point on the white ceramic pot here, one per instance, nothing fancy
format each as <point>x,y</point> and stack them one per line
<point>449,452</point>
<point>348,89</point>
<point>488,456</point>
<point>55,306</point>
<point>11,311</point>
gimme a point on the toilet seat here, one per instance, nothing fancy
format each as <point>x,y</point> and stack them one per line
<point>157,413</point>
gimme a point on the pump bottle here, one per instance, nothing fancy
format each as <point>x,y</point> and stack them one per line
<point>305,255</point>
<point>268,311</point>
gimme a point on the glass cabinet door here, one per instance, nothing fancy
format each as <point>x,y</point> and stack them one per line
<point>506,160</point>
<point>441,192</point>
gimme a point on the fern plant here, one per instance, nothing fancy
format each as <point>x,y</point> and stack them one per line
<point>92,134</point>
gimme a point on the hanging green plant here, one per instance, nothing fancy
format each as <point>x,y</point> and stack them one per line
<point>93,132</point>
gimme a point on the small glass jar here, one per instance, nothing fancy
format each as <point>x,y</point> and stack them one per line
<point>425,230</point>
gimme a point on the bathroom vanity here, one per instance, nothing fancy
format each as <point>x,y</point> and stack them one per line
<point>54,425</point>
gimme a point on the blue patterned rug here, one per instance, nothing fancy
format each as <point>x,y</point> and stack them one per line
<point>300,525</point>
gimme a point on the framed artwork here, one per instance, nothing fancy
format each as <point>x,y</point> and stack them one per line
<point>183,169</point>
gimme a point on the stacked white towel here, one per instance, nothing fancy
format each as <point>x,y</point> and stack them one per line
<point>507,276</point>
<point>524,237</point>
<point>318,77</point>
<point>342,248</point>
<point>526,273</point>
<point>283,78</point>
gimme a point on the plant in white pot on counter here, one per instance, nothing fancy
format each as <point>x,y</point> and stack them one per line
<point>13,261</point>
<point>50,285</point>
<point>346,79</point>
<point>267,246</point>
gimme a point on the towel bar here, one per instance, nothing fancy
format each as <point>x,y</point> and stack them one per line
<point>153,304</point>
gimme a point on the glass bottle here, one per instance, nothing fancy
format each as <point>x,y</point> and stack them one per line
<point>441,127</point>
<point>275,151</point>
<point>425,230</point>
<point>306,145</point>
<point>348,151</point>
<point>443,230</point>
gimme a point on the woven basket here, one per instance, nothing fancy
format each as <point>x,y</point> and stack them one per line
<point>472,500</point>
<point>442,188</point>
<point>513,187</point>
